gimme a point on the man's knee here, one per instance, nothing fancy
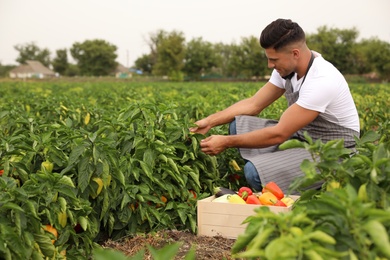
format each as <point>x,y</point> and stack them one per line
<point>232,128</point>
<point>252,176</point>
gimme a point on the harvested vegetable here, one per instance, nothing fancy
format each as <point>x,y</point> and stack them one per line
<point>253,199</point>
<point>288,201</point>
<point>244,192</point>
<point>219,191</point>
<point>274,189</point>
<point>235,199</point>
<point>223,199</point>
<point>267,198</point>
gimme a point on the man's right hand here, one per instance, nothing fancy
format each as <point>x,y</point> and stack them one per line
<point>203,127</point>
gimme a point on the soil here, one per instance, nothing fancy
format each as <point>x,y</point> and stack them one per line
<point>209,248</point>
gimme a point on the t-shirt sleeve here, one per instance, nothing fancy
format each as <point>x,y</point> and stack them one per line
<point>316,94</point>
<point>276,79</point>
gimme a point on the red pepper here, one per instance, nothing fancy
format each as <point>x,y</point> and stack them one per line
<point>253,199</point>
<point>244,192</point>
<point>274,189</point>
<point>280,203</point>
<point>193,193</point>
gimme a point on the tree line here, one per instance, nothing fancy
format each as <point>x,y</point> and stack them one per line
<point>171,55</point>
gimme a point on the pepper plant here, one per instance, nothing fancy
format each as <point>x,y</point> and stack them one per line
<point>345,219</point>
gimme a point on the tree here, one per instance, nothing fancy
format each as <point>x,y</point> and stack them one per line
<point>145,63</point>
<point>337,46</point>
<point>199,58</point>
<point>377,53</point>
<point>223,53</point>
<point>30,51</point>
<point>154,40</point>
<point>94,57</point>
<point>4,69</point>
<point>235,62</point>
<point>170,55</point>
<point>60,62</point>
<point>254,60</point>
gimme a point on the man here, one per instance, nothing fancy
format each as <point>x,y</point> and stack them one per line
<point>319,102</point>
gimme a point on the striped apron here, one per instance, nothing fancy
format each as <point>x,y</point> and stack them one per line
<point>280,166</point>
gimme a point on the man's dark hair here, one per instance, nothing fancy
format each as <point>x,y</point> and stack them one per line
<point>281,33</point>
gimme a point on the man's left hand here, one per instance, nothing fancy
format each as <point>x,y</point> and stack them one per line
<point>213,145</point>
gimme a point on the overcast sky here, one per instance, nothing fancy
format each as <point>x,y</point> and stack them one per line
<point>127,24</point>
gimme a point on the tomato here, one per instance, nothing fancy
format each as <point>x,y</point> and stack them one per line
<point>1,172</point>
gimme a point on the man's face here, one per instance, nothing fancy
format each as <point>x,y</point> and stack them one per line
<point>283,61</point>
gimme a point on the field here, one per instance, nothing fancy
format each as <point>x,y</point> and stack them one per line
<point>102,160</point>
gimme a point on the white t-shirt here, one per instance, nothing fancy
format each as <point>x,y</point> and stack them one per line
<point>324,90</point>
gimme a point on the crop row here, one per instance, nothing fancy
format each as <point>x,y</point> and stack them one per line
<point>109,159</point>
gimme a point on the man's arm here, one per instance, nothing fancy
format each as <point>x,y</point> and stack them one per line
<point>250,106</point>
<point>293,119</point>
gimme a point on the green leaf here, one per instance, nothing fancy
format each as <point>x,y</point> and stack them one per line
<point>292,143</point>
<point>75,154</point>
<point>150,157</point>
<point>309,168</point>
<point>273,249</point>
<point>66,180</point>
<point>84,174</point>
<point>105,204</point>
<point>182,215</point>
<point>104,254</point>
<point>193,222</point>
<point>168,252</point>
<point>369,137</point>
<point>70,192</point>
<point>118,174</point>
<point>147,169</point>
<point>11,205</point>
<point>191,255</point>
<point>195,177</point>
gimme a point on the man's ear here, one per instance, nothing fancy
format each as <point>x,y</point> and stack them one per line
<point>296,53</point>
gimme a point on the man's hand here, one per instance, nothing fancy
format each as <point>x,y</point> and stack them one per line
<point>203,126</point>
<point>214,144</point>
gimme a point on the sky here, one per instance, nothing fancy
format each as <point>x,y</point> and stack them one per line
<point>128,24</point>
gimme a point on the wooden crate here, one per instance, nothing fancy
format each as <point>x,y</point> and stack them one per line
<point>225,219</point>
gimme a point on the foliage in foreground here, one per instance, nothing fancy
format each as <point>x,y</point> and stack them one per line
<point>347,219</point>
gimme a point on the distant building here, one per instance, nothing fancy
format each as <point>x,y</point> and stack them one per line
<point>32,69</point>
<point>122,72</point>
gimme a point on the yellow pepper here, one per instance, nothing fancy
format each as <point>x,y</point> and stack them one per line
<point>236,199</point>
<point>288,201</point>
